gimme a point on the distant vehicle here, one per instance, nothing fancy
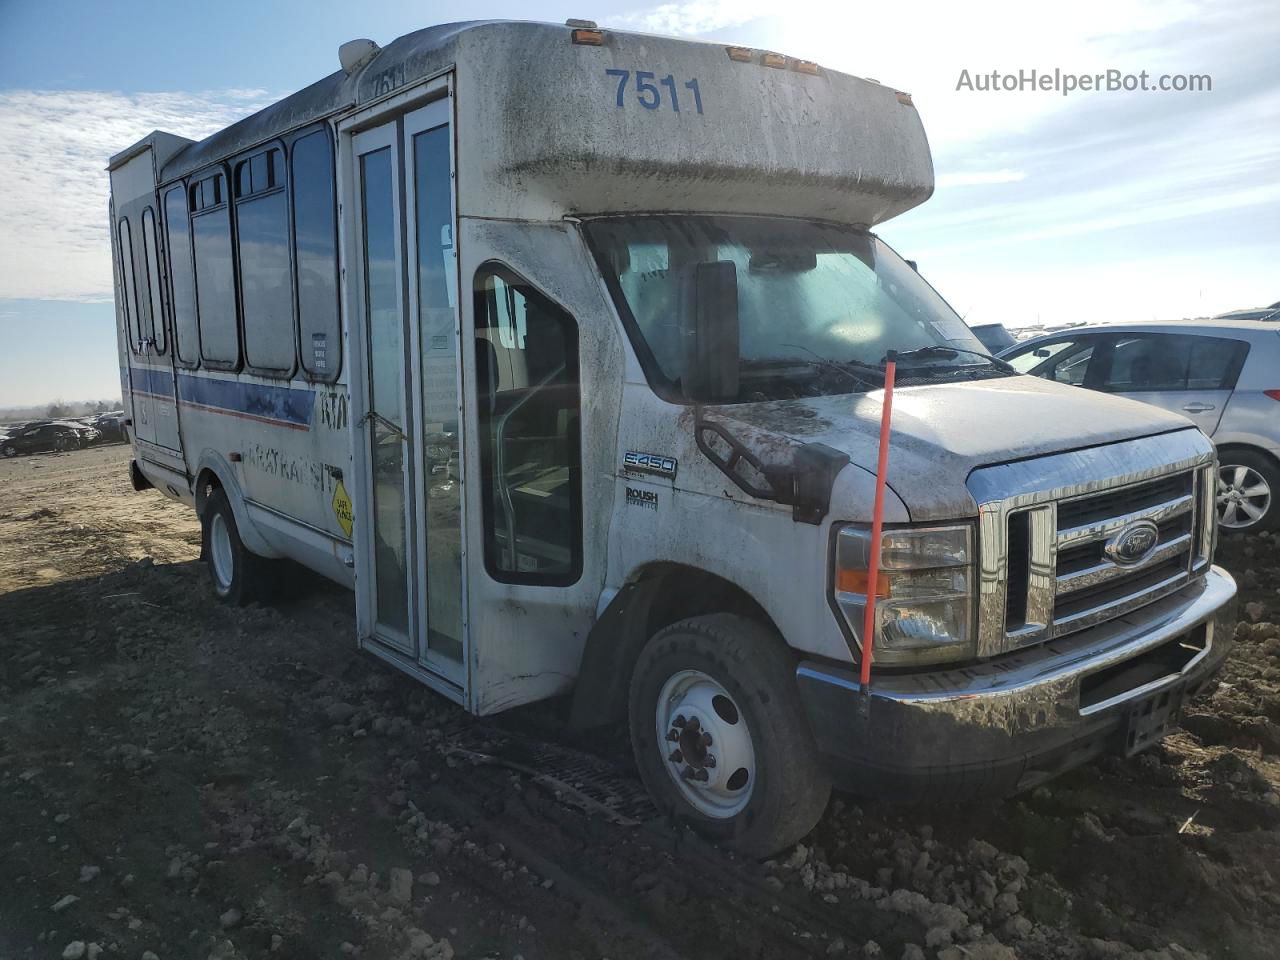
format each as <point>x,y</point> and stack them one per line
<point>44,437</point>
<point>1271,313</point>
<point>111,427</point>
<point>994,336</point>
<point>1222,373</point>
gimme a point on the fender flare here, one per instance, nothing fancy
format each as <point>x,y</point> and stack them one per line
<point>215,463</point>
<point>609,654</point>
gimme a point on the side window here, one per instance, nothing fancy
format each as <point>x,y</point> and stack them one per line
<point>132,322</point>
<point>1215,363</point>
<point>528,401</point>
<point>1149,361</point>
<point>262,254</point>
<point>315,254</point>
<point>155,301</point>
<point>1063,361</point>
<point>182,289</point>
<point>215,276</point>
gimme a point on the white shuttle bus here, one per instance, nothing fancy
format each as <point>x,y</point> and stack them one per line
<point>563,348</point>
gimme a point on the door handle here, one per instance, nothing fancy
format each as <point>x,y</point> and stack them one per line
<point>1198,407</point>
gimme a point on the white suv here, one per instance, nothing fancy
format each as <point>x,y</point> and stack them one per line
<point>1222,373</point>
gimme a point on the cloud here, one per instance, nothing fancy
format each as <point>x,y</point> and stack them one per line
<point>978,178</point>
<point>54,146</point>
<point>693,18</point>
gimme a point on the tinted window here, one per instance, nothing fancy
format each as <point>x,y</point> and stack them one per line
<point>1157,361</point>
<point>215,286</point>
<point>316,254</point>
<point>155,301</point>
<point>1150,362</point>
<point>132,322</point>
<point>265,279</point>
<point>527,396</point>
<point>181,285</point>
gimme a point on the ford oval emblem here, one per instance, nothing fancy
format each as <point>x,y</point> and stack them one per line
<point>1134,543</point>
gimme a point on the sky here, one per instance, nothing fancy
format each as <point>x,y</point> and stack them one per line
<point>1094,206</point>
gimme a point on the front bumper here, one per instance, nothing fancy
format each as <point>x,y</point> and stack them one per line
<point>1012,722</point>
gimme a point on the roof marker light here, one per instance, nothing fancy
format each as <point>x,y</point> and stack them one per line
<point>741,54</point>
<point>904,98</point>
<point>589,37</point>
<point>807,66</point>
<point>775,60</point>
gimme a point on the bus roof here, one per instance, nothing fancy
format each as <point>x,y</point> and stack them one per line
<point>548,128</point>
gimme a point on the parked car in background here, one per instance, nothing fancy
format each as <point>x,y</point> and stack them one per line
<point>1222,373</point>
<point>111,427</point>
<point>1271,313</point>
<point>41,438</point>
<point>994,336</point>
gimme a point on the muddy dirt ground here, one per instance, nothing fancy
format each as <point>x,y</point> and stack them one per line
<point>180,779</point>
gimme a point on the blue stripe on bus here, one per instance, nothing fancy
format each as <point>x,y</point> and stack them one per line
<point>283,406</point>
<point>157,381</point>
<point>286,406</point>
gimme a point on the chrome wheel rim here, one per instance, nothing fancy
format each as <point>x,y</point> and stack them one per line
<point>1244,496</point>
<point>705,745</point>
<point>220,552</point>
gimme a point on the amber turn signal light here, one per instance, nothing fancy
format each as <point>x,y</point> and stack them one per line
<point>855,581</point>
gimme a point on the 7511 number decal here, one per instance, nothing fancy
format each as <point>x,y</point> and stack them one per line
<point>648,90</point>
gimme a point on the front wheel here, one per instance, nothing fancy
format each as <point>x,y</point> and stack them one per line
<point>1248,489</point>
<point>720,736</point>
<point>239,577</point>
<point>8,450</point>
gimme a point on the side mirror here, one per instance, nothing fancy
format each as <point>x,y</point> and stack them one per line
<point>1041,352</point>
<point>709,331</point>
<point>912,265</point>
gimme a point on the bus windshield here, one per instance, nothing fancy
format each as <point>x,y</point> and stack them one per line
<point>818,305</point>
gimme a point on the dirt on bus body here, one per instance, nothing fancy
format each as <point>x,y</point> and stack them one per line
<point>192,780</point>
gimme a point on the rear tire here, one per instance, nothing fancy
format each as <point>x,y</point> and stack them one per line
<point>1248,482</point>
<point>239,577</point>
<point>723,684</point>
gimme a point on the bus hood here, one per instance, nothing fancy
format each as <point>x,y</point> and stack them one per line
<point>940,433</point>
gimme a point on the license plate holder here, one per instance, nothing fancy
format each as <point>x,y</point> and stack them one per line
<point>1148,720</point>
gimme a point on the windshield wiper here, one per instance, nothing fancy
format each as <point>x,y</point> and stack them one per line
<point>853,369</point>
<point>940,352</point>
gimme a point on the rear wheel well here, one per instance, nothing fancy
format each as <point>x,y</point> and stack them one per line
<point>207,482</point>
<point>655,597</point>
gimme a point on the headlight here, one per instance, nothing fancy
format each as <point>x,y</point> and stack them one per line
<point>925,597</point>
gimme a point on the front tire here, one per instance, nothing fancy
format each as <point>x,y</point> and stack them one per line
<point>1248,492</point>
<point>8,450</point>
<point>239,577</point>
<point>720,737</point>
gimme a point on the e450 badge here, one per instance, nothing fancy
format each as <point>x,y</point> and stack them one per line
<point>635,462</point>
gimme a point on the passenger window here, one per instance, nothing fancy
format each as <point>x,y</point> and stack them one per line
<point>132,322</point>
<point>156,301</point>
<point>1215,363</point>
<point>215,280</point>
<point>181,282</point>
<point>316,254</point>
<point>1147,362</point>
<point>1063,361</point>
<point>266,294</point>
<point>528,402</point>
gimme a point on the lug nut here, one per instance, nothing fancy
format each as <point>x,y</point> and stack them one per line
<point>706,739</point>
<point>673,735</point>
<point>709,762</point>
<point>700,775</point>
<point>676,757</point>
<point>679,720</point>
<point>694,725</point>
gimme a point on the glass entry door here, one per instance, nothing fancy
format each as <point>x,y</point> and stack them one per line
<point>405,393</point>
